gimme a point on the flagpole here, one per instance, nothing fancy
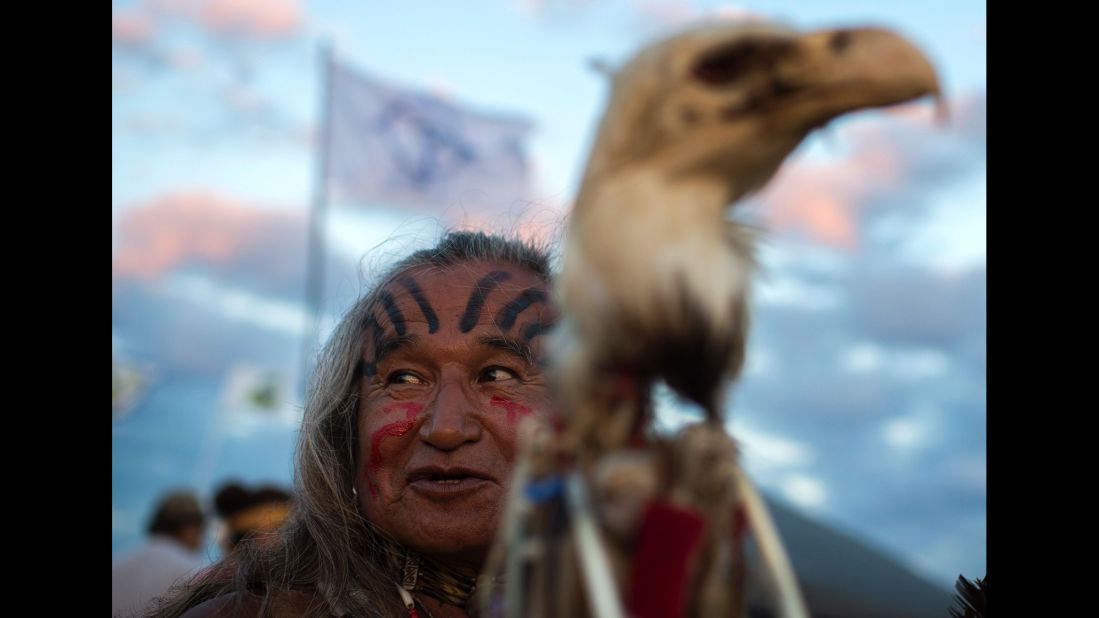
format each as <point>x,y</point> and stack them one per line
<point>315,251</point>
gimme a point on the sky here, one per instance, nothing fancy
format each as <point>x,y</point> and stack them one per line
<point>863,400</point>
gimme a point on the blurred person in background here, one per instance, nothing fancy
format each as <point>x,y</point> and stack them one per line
<point>406,446</point>
<point>168,557</point>
<point>248,514</point>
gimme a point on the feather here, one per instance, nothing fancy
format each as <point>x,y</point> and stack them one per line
<point>971,600</point>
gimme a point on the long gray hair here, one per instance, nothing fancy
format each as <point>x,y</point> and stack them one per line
<point>326,552</point>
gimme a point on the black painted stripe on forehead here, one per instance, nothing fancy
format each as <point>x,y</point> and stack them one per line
<point>393,312</point>
<point>534,329</point>
<point>505,319</point>
<point>369,368</point>
<point>418,295</point>
<point>481,290</point>
<point>383,345</point>
<point>376,332</point>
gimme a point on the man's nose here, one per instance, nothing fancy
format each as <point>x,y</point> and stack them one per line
<point>450,421</point>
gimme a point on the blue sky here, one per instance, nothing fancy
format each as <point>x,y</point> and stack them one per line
<point>863,402</point>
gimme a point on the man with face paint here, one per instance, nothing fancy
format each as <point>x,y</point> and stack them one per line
<point>407,443</point>
<point>449,370</point>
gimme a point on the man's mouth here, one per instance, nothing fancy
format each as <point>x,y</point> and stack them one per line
<point>441,482</point>
<point>445,479</point>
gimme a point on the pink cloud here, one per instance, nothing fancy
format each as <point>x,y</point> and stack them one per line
<point>131,28</point>
<point>542,221</point>
<point>262,19</point>
<point>233,19</point>
<point>214,232</point>
<point>824,217</point>
<point>964,115</point>
<point>886,154</point>
<point>542,233</point>
<point>917,114</point>
<point>821,200</point>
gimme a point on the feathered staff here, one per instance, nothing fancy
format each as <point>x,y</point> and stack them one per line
<point>654,288</point>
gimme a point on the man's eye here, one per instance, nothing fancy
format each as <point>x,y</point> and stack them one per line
<point>498,374</point>
<point>404,377</point>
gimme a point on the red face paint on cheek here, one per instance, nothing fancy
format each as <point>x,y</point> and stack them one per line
<point>396,429</point>
<point>513,409</point>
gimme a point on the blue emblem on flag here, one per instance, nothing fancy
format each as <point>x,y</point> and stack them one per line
<point>392,145</point>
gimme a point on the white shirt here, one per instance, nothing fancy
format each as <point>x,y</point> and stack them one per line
<point>148,573</point>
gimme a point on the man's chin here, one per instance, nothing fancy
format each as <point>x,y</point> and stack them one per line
<point>458,533</point>
<point>462,549</point>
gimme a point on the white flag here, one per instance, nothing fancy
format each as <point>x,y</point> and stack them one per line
<point>257,393</point>
<point>405,148</point>
<point>129,383</point>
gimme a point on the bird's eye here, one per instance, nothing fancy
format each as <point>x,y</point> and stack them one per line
<point>405,377</point>
<point>497,374</point>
